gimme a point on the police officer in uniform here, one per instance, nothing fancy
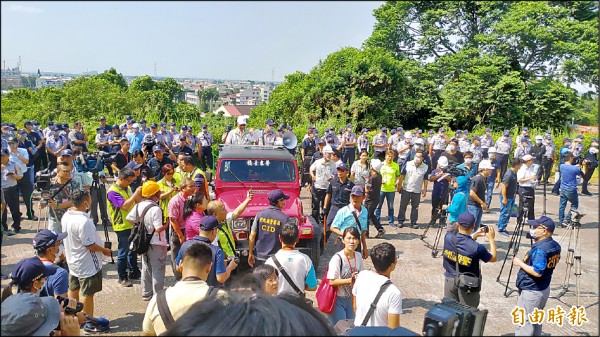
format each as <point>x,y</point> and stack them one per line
<point>394,140</point>
<point>548,158</point>
<point>533,280</point>
<point>464,143</point>
<point>269,136</point>
<point>380,144</point>
<point>264,235</point>
<point>486,142</point>
<point>307,151</point>
<point>363,141</point>
<point>338,194</point>
<point>438,145</point>
<point>205,140</point>
<point>469,254</point>
<point>349,146</point>
<point>503,146</point>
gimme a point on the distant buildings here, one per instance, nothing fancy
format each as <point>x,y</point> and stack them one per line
<point>51,81</point>
<point>235,110</point>
<point>11,78</point>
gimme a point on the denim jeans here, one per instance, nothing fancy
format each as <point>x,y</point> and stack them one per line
<point>565,196</point>
<point>505,213</point>
<point>341,310</point>
<point>477,213</point>
<point>489,193</point>
<point>125,258</point>
<point>390,204</point>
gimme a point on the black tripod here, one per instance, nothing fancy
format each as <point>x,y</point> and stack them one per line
<point>97,190</point>
<point>515,242</point>
<point>443,215</point>
<point>573,253</point>
<point>545,185</point>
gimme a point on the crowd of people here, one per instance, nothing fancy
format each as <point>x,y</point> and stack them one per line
<point>158,186</point>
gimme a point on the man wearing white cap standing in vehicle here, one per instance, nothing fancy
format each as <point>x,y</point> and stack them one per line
<point>237,135</point>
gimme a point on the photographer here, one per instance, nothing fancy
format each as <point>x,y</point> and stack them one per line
<point>589,164</point>
<point>60,191</point>
<point>441,181</point>
<point>18,310</point>
<point>461,250</point>
<point>527,179</point>
<point>568,187</point>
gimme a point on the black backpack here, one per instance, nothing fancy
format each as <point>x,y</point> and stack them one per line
<point>139,239</point>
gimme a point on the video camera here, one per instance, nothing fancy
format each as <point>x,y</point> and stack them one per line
<point>454,171</point>
<point>64,302</point>
<point>43,181</point>
<point>94,162</point>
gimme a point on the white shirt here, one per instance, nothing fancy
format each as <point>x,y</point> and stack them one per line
<point>152,219</point>
<point>297,265</point>
<point>361,173</point>
<point>348,267</point>
<point>365,289</point>
<point>524,173</point>
<point>413,180</point>
<point>82,233</point>
<point>323,171</point>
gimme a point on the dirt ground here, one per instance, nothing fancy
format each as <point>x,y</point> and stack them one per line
<point>418,275</point>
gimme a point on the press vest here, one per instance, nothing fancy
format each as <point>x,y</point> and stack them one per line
<point>552,250</point>
<point>269,227</point>
<point>117,217</point>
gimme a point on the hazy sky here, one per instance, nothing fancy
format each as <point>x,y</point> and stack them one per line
<point>226,40</point>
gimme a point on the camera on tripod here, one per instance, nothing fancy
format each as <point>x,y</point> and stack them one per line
<point>43,181</point>
<point>94,162</point>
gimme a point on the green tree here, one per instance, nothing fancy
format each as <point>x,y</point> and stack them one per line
<point>143,83</point>
<point>113,77</point>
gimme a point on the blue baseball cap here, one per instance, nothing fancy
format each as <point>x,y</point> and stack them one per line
<point>66,152</point>
<point>442,130</point>
<point>28,270</point>
<point>199,180</point>
<point>204,126</point>
<point>209,223</point>
<point>364,130</point>
<point>47,238</point>
<point>157,148</point>
<point>342,167</point>
<point>321,141</point>
<point>269,121</point>
<point>26,314</point>
<point>384,129</point>
<point>466,220</point>
<point>348,126</point>
<point>228,128</point>
<point>28,123</point>
<point>133,165</point>
<point>542,221</point>
<point>276,195</point>
<point>393,131</point>
<point>506,133</point>
<point>358,190</point>
<point>488,130</point>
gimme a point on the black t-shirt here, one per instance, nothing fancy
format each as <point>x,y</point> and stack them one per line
<point>121,160</point>
<point>374,183</point>
<point>510,180</point>
<point>186,149</point>
<point>479,186</point>
<point>34,137</point>
<point>454,159</point>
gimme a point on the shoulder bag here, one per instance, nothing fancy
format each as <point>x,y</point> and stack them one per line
<point>326,293</point>
<point>341,327</point>
<point>466,281</point>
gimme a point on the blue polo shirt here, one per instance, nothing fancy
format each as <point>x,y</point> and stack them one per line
<point>568,177</point>
<point>57,281</point>
<point>344,219</point>
<point>136,141</point>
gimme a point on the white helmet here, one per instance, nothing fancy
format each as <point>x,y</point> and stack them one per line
<point>376,164</point>
<point>327,149</point>
<point>492,150</point>
<point>443,161</point>
<point>485,165</point>
<point>408,134</point>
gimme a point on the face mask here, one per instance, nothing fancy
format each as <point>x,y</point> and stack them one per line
<point>532,233</point>
<point>61,250</point>
<point>593,150</point>
<point>418,161</point>
<point>468,161</point>
<point>491,155</point>
<point>451,148</point>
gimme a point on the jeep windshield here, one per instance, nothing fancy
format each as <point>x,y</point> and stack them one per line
<point>257,170</point>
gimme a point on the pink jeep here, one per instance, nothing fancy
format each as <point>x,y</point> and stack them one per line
<point>263,168</point>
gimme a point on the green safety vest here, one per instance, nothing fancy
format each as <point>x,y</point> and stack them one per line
<point>118,217</point>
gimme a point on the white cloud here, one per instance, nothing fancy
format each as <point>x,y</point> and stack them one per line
<point>25,9</point>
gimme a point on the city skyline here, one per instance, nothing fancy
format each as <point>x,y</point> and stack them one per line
<point>245,41</point>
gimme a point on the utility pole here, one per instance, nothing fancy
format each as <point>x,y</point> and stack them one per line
<point>273,74</point>
<point>155,74</point>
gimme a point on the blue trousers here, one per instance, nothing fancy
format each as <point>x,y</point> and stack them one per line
<point>126,259</point>
<point>490,192</point>
<point>389,196</point>
<point>505,212</point>
<point>565,196</point>
<point>341,310</point>
<point>477,213</point>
